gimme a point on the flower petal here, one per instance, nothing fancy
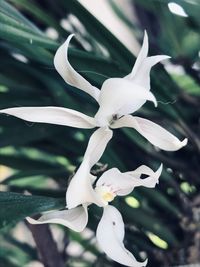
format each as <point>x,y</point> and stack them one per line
<point>110,235</point>
<point>141,56</point>
<point>140,73</point>
<point>154,133</point>
<point>80,190</point>
<point>150,181</point>
<point>97,144</point>
<point>143,169</point>
<point>69,74</point>
<point>142,76</point>
<point>120,97</point>
<point>124,183</point>
<point>53,115</point>
<point>75,219</point>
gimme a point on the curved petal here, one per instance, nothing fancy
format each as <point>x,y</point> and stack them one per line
<point>110,235</point>
<point>97,144</point>
<point>143,169</point>
<point>53,115</point>
<point>120,97</point>
<point>124,183</point>
<point>69,74</point>
<point>80,190</point>
<point>150,181</point>
<point>75,219</point>
<point>141,56</point>
<point>142,76</point>
<point>140,73</point>
<point>154,133</point>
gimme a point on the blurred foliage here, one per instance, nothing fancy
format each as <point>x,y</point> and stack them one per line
<point>163,222</point>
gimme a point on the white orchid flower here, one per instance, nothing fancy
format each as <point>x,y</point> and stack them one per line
<point>112,183</point>
<point>83,191</point>
<point>110,230</point>
<point>117,98</point>
<point>77,218</point>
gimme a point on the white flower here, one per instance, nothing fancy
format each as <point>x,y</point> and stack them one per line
<point>84,190</point>
<point>117,98</point>
<point>76,218</point>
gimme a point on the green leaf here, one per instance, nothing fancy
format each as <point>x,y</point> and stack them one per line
<point>187,84</point>
<point>30,174</point>
<point>29,159</point>
<point>149,223</point>
<point>10,33</point>
<point>160,200</point>
<point>15,207</point>
<point>27,132</point>
<point>39,14</point>
<point>14,23</point>
<point>8,9</point>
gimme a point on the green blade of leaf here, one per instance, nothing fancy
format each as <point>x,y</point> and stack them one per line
<point>10,33</point>
<point>15,207</point>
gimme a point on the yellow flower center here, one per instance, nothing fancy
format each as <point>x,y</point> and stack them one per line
<point>105,193</point>
<point>108,196</point>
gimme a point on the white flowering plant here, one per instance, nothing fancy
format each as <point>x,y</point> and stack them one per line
<point>92,162</point>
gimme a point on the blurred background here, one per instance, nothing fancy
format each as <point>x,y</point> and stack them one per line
<point>36,160</point>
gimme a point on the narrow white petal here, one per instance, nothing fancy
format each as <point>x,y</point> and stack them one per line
<point>80,190</point>
<point>120,97</point>
<point>141,56</point>
<point>140,73</point>
<point>110,235</point>
<point>53,115</point>
<point>69,74</point>
<point>75,219</point>
<point>154,133</point>
<point>97,144</point>
<point>142,76</point>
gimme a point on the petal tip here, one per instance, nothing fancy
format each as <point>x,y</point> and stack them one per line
<point>164,57</point>
<point>31,220</point>
<point>154,101</point>
<point>69,38</point>
<point>184,142</point>
<point>58,53</point>
<point>160,168</point>
<point>145,263</point>
<point>179,144</point>
<point>158,172</point>
<point>145,35</point>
